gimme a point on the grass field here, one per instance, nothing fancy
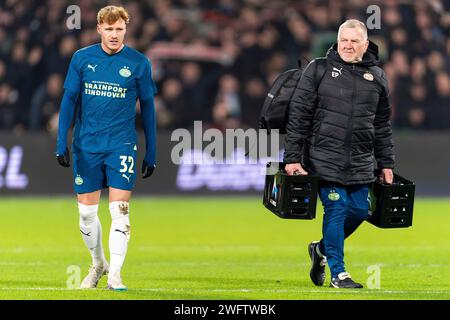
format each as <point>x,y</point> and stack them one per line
<point>221,248</point>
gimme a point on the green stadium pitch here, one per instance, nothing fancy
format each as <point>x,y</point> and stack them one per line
<point>217,248</point>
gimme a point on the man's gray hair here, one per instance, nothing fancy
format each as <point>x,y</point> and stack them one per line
<point>353,23</point>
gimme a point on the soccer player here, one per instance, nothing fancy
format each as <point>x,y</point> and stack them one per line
<point>102,86</point>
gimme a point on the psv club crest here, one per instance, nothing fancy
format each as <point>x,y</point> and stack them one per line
<point>125,72</point>
<point>368,76</point>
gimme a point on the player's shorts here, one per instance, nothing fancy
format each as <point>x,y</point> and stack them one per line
<point>95,171</point>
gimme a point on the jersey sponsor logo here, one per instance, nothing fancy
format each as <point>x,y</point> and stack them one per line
<point>125,72</point>
<point>336,72</point>
<point>78,180</point>
<point>105,89</point>
<point>92,67</point>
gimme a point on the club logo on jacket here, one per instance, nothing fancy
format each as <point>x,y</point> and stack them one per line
<point>125,72</point>
<point>333,195</point>
<point>336,72</point>
<point>368,76</point>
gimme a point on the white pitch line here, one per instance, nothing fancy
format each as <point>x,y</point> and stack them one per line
<point>251,247</point>
<point>238,290</point>
<point>230,263</point>
<point>292,291</point>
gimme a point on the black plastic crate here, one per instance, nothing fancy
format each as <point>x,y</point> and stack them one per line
<point>394,203</point>
<point>290,197</point>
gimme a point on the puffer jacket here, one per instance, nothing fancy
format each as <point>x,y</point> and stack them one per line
<point>338,130</point>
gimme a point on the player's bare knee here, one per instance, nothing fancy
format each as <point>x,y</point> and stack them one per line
<point>89,198</point>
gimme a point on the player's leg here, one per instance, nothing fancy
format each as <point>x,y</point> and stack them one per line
<point>90,226</point>
<point>88,183</point>
<point>119,234</point>
<point>121,177</point>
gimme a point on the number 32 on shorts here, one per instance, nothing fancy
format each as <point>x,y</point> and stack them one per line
<point>127,163</point>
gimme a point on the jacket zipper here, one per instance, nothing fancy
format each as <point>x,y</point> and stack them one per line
<point>348,138</point>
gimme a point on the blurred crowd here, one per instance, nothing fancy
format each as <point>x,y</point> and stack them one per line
<point>215,60</point>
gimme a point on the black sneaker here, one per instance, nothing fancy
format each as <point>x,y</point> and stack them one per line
<point>317,272</point>
<point>344,280</point>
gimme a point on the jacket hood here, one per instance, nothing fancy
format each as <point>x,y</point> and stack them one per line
<point>370,58</point>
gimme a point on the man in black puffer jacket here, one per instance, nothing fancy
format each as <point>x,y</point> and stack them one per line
<point>336,131</point>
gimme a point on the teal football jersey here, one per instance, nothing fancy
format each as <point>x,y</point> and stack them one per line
<point>108,87</point>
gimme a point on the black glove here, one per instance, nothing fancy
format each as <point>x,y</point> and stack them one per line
<point>64,159</point>
<point>147,170</point>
